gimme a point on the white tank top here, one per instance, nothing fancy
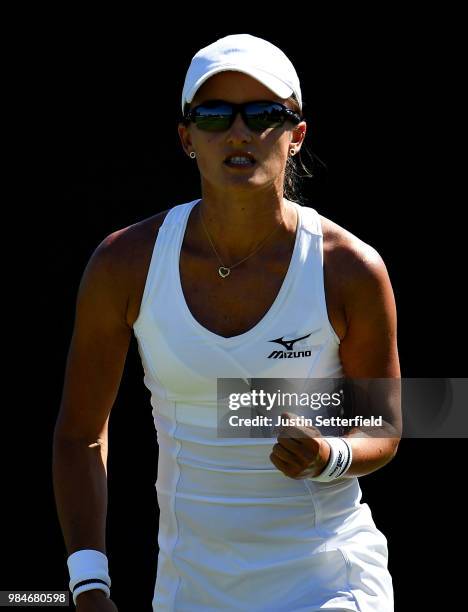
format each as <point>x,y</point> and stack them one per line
<point>235,533</point>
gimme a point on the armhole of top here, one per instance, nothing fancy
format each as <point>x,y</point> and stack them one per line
<point>151,272</point>
<point>321,281</point>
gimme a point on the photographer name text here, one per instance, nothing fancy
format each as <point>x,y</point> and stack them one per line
<point>318,421</point>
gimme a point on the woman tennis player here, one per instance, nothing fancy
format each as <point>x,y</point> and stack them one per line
<point>239,283</point>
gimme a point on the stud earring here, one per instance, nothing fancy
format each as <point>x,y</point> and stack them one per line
<point>193,154</point>
<point>292,152</point>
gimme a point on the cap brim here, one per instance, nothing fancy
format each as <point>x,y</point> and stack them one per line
<point>279,88</point>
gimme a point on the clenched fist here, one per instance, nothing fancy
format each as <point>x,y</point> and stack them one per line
<point>300,451</point>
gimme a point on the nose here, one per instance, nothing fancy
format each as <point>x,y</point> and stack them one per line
<point>239,132</point>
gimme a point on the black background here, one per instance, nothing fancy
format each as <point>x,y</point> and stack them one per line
<point>97,101</point>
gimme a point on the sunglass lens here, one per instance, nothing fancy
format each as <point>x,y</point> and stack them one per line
<point>213,118</point>
<point>263,116</point>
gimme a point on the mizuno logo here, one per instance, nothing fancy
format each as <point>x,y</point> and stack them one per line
<point>289,353</point>
<point>288,344</point>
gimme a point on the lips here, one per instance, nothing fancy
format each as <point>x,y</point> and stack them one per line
<point>235,159</point>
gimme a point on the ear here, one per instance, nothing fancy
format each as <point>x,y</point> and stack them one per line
<point>298,134</point>
<point>185,137</point>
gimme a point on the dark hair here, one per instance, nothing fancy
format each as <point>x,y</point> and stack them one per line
<point>292,176</point>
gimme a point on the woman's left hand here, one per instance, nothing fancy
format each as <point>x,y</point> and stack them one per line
<point>300,451</point>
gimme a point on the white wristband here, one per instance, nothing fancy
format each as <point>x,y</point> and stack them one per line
<point>85,566</point>
<point>341,457</point>
<point>89,587</point>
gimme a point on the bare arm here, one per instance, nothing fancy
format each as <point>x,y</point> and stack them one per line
<point>369,351</point>
<point>95,362</point>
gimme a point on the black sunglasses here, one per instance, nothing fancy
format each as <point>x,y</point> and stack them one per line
<point>219,115</point>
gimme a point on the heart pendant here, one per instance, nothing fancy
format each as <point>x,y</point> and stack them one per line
<point>224,271</point>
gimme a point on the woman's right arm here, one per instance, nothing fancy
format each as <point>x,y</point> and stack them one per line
<point>95,363</point>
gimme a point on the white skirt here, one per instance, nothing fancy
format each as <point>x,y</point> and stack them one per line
<point>296,553</point>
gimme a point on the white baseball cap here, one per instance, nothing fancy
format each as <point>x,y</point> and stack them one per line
<point>245,53</point>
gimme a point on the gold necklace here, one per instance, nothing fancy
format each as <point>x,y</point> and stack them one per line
<point>223,270</point>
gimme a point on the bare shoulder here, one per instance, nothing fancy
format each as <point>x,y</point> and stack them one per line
<point>368,347</point>
<point>357,284</point>
<point>126,253</point>
<point>351,261</point>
